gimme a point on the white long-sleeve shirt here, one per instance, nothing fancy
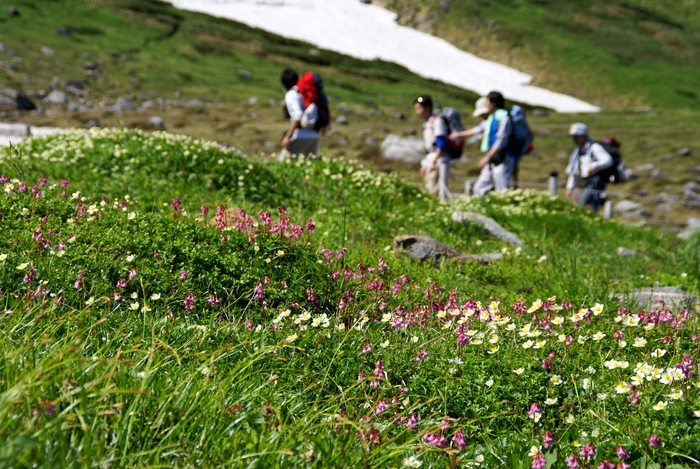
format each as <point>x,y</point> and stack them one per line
<point>587,161</point>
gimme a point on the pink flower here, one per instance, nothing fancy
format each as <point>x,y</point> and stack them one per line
<point>310,226</point>
<point>622,452</point>
<point>249,325</point>
<point>282,210</point>
<point>310,294</point>
<point>213,299</point>
<point>606,465</point>
<point>654,441</point>
<point>204,209</point>
<point>547,364</point>
<point>132,274</point>
<point>435,439</point>
<point>459,440</point>
<point>189,301</point>
<point>549,439</point>
<point>379,370</point>
<point>588,451</point>
<point>176,204</point>
<point>366,349</point>
<point>382,405</point>
<point>258,292</point>
<point>183,275</point>
<point>43,182</point>
<point>572,461</point>
<point>121,283</point>
<point>538,461</point>
<point>534,409</point>
<point>412,422</point>
<point>64,183</point>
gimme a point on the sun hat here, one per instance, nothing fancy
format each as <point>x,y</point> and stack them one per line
<point>481,107</point>
<point>578,129</point>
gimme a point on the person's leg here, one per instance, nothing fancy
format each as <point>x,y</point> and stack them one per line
<point>484,183</point>
<point>502,173</point>
<point>432,181</point>
<point>444,178</point>
<point>591,193</point>
<point>515,175</point>
<point>305,146</point>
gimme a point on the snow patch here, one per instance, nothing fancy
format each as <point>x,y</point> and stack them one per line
<point>369,32</point>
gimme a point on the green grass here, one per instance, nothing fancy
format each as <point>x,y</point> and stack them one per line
<point>124,374</point>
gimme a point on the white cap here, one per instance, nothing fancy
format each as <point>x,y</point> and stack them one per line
<point>481,107</point>
<point>578,129</point>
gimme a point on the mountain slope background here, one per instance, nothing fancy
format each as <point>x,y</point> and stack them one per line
<point>218,79</point>
<point>618,53</point>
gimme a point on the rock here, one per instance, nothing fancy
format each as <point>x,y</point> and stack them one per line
<point>544,132</point>
<point>195,103</point>
<point>253,100</point>
<point>92,123</point>
<point>685,152</point>
<point>425,248</point>
<point>657,174</point>
<point>342,142</point>
<point>122,104</point>
<point>540,112</point>
<point>693,227</point>
<point>245,74</point>
<point>366,2</point>
<point>90,66</point>
<point>399,115</point>
<point>663,198</point>
<point>406,149</point>
<point>629,209</point>
<point>64,31</point>
<point>156,122</point>
<point>342,120</point>
<point>56,97</point>
<point>370,142</point>
<point>665,207</point>
<point>490,225</point>
<point>72,107</point>
<point>691,193</point>
<point>12,11</point>
<point>24,103</point>
<point>444,6</point>
<point>14,130</point>
<point>691,186</point>
<point>645,167</point>
<point>47,51</point>
<point>74,91</point>
<point>623,252</point>
<point>660,297</point>
<point>630,175</point>
<point>77,84</point>
<point>270,145</point>
<point>562,155</point>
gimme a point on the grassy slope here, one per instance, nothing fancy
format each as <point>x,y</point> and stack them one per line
<point>617,53</point>
<point>109,383</point>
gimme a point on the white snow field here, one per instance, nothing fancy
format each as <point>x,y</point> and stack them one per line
<point>369,32</point>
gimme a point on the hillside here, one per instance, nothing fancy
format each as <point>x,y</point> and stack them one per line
<point>618,53</point>
<point>137,333</point>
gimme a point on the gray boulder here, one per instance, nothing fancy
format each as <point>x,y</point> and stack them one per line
<point>490,225</point>
<point>56,97</point>
<point>444,6</point>
<point>666,297</point>
<point>406,149</point>
<point>629,209</point>
<point>685,152</point>
<point>47,51</point>
<point>122,104</point>
<point>657,174</point>
<point>342,120</point>
<point>92,123</point>
<point>630,175</point>
<point>645,167</point>
<point>156,122</point>
<point>693,227</point>
<point>12,11</point>
<point>245,74</point>
<point>425,248</point>
<point>624,252</point>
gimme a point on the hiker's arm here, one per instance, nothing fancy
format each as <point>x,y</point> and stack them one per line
<point>479,129</point>
<point>602,158</point>
<point>287,139</point>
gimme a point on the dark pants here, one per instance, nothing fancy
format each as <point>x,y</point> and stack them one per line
<point>593,186</point>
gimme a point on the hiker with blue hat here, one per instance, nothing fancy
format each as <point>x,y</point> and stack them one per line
<point>590,161</point>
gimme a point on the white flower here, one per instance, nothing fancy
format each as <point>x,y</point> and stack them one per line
<point>597,309</point>
<point>489,383</point>
<point>412,462</point>
<point>598,336</point>
<point>569,419</point>
<point>130,258</point>
<point>534,451</point>
<point>145,309</point>
<point>639,342</point>
<point>134,306</point>
<point>414,339</point>
<point>622,388</point>
<point>519,371</point>
<point>258,328</point>
<point>134,295</point>
<point>3,257</point>
<point>555,380</point>
<point>527,344</point>
<point>658,353</point>
<point>542,259</point>
<point>661,405</point>
<point>587,384</point>
<point>280,253</point>
<point>22,266</point>
<point>90,300</point>
<point>386,317</point>
<point>384,344</point>
<point>551,401</point>
<point>676,395</point>
<point>155,296</point>
<point>292,338</point>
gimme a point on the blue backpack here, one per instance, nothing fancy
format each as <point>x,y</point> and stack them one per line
<point>521,137</point>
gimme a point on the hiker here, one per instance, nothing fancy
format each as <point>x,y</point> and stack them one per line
<point>589,161</point>
<point>481,111</point>
<point>301,138</point>
<point>498,163</point>
<point>437,159</point>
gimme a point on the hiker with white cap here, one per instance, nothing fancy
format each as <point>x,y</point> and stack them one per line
<point>588,162</point>
<point>481,111</point>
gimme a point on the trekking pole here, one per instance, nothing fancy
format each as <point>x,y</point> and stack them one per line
<point>608,209</point>
<point>443,193</point>
<point>554,184</point>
